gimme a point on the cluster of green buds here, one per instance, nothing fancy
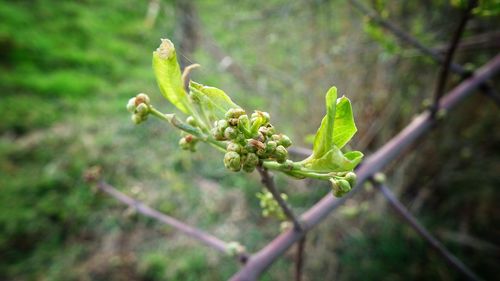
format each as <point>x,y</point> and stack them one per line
<point>249,140</point>
<point>342,184</point>
<point>269,205</point>
<point>140,107</point>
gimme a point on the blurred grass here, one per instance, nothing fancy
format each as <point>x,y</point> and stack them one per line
<point>68,68</point>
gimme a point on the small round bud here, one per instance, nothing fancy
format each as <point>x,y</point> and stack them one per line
<point>142,98</point>
<point>234,113</point>
<point>137,119</point>
<point>142,109</point>
<point>271,146</point>
<point>249,147</point>
<point>270,130</point>
<point>244,122</point>
<point>280,154</point>
<point>344,186</point>
<point>217,134</point>
<point>231,146</point>
<point>230,133</point>
<point>251,161</point>
<point>285,141</point>
<point>222,125</point>
<point>234,121</point>
<point>234,248</point>
<point>191,121</point>
<point>379,178</point>
<point>351,178</point>
<point>260,114</point>
<point>232,161</point>
<point>131,105</point>
<point>263,130</point>
<point>184,144</point>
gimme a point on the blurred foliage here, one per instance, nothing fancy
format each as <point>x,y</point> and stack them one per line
<point>67,69</point>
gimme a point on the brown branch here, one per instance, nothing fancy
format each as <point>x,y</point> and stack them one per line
<point>425,234</point>
<point>299,259</point>
<point>268,182</point>
<point>193,232</point>
<point>261,260</point>
<point>486,88</point>
<point>445,69</point>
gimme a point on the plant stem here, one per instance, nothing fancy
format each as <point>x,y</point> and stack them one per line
<point>176,122</point>
<point>268,182</point>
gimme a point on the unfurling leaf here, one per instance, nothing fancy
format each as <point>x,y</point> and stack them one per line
<point>324,136</point>
<point>344,123</point>
<point>336,129</point>
<point>211,99</point>
<point>169,77</point>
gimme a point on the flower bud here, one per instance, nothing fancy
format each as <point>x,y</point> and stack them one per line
<point>270,130</point>
<point>249,147</point>
<point>244,123</point>
<point>251,161</point>
<point>260,114</point>
<point>222,125</point>
<point>271,146</point>
<point>191,121</point>
<point>217,134</point>
<point>142,109</point>
<point>285,141</point>
<point>351,178</point>
<point>234,113</point>
<point>142,98</point>
<point>232,161</point>
<point>230,133</point>
<point>137,119</point>
<point>344,186</point>
<point>184,144</point>
<point>231,146</point>
<point>281,154</point>
<point>131,105</point>
<point>234,121</point>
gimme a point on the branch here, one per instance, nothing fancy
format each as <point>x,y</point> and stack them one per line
<point>436,56</point>
<point>383,156</point>
<point>299,260</point>
<point>268,182</point>
<point>445,69</point>
<point>425,234</point>
<point>193,232</point>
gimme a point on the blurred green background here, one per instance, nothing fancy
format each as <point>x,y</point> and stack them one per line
<point>69,67</point>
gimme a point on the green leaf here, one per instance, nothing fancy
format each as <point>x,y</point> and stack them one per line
<point>334,161</point>
<point>344,123</point>
<point>169,77</point>
<point>212,100</point>
<point>323,141</point>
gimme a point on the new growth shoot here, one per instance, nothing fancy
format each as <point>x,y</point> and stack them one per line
<point>250,140</point>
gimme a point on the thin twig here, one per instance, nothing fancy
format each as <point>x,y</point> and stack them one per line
<point>299,259</point>
<point>261,260</point>
<point>268,182</point>
<point>445,68</point>
<point>424,233</point>
<point>486,88</point>
<point>193,232</point>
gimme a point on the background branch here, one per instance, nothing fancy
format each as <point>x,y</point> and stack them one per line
<point>193,232</point>
<point>445,68</point>
<point>424,233</point>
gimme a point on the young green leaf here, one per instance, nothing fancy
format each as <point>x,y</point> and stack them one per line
<point>214,100</point>
<point>323,141</point>
<point>169,77</point>
<point>344,123</point>
<point>334,161</point>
